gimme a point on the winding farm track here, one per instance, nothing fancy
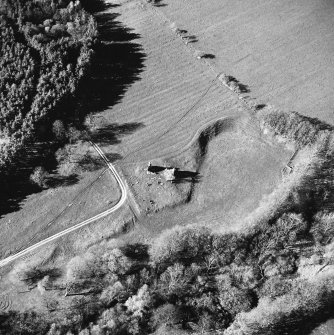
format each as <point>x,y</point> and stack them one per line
<point>83,223</point>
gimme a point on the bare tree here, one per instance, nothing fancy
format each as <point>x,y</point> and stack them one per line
<point>58,129</point>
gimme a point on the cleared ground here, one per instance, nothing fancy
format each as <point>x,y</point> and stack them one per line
<point>283,50</point>
<point>53,210</point>
<point>175,95</point>
<point>236,169</point>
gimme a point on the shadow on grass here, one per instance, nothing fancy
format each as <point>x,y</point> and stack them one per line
<point>191,38</point>
<point>260,106</point>
<point>57,180</point>
<point>89,163</point>
<point>242,87</point>
<point>157,3</point>
<point>112,133</point>
<point>116,65</point>
<point>186,176</point>
<point>209,56</point>
<point>136,251</point>
<point>34,275</point>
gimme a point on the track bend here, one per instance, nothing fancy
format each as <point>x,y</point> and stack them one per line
<point>121,201</point>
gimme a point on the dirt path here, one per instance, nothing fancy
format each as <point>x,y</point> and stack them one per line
<point>83,223</point>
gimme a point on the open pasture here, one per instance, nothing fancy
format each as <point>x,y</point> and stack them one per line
<point>53,210</point>
<point>174,95</point>
<point>282,50</point>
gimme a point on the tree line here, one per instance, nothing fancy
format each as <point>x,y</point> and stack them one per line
<point>46,49</point>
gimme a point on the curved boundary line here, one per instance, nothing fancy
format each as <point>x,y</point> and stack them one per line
<point>121,201</point>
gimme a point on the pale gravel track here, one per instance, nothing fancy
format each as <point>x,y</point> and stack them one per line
<point>119,204</point>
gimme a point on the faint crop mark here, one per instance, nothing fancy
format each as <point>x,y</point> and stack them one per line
<point>5,302</point>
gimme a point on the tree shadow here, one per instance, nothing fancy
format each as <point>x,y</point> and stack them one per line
<point>111,133</point>
<point>117,63</point>
<point>157,168</point>
<point>260,106</point>
<point>54,181</point>
<point>157,3</point>
<point>89,163</point>
<point>190,38</point>
<point>33,275</point>
<point>15,185</point>
<point>209,56</point>
<point>181,31</point>
<point>241,87</point>
<point>96,6</point>
<point>136,251</point>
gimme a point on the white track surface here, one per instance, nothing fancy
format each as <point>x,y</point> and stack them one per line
<point>83,223</point>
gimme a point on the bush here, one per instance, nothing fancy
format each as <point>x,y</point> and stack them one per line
<point>85,267</point>
<point>234,300</point>
<point>296,128</point>
<point>26,323</point>
<point>229,248</point>
<point>59,131</point>
<point>175,282</point>
<point>323,228</point>
<point>167,315</point>
<point>35,274</point>
<point>116,262</point>
<point>39,176</point>
<point>288,312</point>
<point>113,294</point>
<point>181,244</point>
<point>275,287</point>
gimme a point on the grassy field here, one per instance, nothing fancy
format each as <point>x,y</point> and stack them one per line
<point>54,209</point>
<point>46,213</point>
<point>175,95</point>
<point>283,50</point>
<point>236,169</point>
<point>162,113</point>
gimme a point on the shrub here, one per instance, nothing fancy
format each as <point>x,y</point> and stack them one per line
<point>183,244</point>
<point>27,323</point>
<point>174,283</point>
<point>39,176</point>
<point>166,315</point>
<point>323,228</point>
<point>275,287</point>
<point>116,262</point>
<point>113,293</point>
<point>84,267</point>
<point>35,274</point>
<point>228,248</point>
<point>59,131</point>
<point>139,303</point>
<point>234,300</point>
<point>296,128</point>
<point>286,313</point>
